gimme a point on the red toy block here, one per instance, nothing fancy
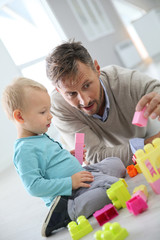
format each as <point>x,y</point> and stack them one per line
<point>105,214</point>
<point>136,205</point>
<point>132,171</point>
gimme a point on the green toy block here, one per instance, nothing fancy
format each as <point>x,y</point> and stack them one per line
<point>111,231</point>
<point>81,229</point>
<point>119,194</point>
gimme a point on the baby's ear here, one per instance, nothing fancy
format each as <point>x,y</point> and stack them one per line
<point>17,115</point>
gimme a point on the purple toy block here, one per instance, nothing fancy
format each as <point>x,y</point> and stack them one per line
<point>79,144</point>
<point>139,119</point>
<point>136,205</point>
<point>105,214</point>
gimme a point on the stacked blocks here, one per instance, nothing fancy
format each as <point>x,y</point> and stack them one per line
<point>141,188</point>
<point>119,194</point>
<point>149,163</point>
<point>111,231</point>
<point>105,214</point>
<point>141,194</point>
<point>81,229</point>
<point>139,119</point>
<point>79,144</point>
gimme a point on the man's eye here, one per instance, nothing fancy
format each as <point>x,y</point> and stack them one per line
<point>72,94</point>
<point>42,112</point>
<point>86,85</point>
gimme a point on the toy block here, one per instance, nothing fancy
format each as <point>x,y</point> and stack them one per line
<point>138,168</point>
<point>136,205</point>
<point>139,119</point>
<point>105,214</point>
<point>142,188</point>
<point>132,171</point>
<point>79,144</point>
<point>141,194</point>
<point>81,229</point>
<point>119,194</point>
<point>149,163</point>
<point>111,231</point>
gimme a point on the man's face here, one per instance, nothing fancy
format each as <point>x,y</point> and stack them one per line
<point>86,93</point>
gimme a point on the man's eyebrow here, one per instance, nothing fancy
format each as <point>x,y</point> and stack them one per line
<point>87,81</point>
<point>70,92</point>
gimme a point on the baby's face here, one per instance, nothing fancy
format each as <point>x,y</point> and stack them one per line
<point>37,116</point>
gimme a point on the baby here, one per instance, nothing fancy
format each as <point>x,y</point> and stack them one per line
<point>46,169</point>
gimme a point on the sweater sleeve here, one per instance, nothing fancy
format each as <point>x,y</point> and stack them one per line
<point>34,180</point>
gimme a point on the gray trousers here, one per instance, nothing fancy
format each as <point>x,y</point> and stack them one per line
<point>85,201</point>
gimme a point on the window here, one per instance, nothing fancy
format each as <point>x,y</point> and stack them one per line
<point>129,12</point>
<point>92,18</point>
<point>29,34</point>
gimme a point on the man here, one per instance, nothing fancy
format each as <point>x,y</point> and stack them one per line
<point>100,103</point>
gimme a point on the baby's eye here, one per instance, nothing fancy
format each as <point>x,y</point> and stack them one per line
<point>42,112</point>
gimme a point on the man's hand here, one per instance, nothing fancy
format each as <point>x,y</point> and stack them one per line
<point>152,103</point>
<point>150,139</point>
<point>79,179</point>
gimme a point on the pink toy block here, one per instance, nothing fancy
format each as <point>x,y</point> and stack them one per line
<point>105,214</point>
<point>79,144</point>
<point>136,205</point>
<point>139,119</point>
<point>141,194</point>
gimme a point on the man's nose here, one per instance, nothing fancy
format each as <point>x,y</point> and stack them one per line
<point>83,99</point>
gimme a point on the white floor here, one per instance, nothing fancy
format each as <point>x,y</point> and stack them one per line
<point>22,215</point>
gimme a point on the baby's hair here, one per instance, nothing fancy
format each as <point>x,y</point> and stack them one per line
<point>13,95</point>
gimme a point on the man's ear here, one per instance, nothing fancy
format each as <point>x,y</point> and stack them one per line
<point>17,114</point>
<point>97,67</point>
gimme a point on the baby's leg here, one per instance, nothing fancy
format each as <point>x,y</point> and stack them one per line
<point>87,203</point>
<point>111,166</point>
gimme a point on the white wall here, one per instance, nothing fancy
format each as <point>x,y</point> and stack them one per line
<point>8,71</point>
<point>102,49</point>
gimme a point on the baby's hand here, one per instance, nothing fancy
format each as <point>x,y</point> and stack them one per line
<point>79,179</point>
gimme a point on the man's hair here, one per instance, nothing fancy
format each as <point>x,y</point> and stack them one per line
<point>62,61</point>
<point>13,95</point>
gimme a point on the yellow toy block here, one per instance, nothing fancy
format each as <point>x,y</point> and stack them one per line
<point>111,231</point>
<point>138,168</point>
<point>119,194</point>
<point>142,188</point>
<point>149,163</point>
<point>81,229</point>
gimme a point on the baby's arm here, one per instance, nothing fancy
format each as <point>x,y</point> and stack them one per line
<point>79,179</point>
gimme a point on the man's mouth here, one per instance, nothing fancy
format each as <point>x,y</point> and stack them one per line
<point>89,107</point>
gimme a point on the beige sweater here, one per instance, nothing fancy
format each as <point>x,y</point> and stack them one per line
<point>111,138</point>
